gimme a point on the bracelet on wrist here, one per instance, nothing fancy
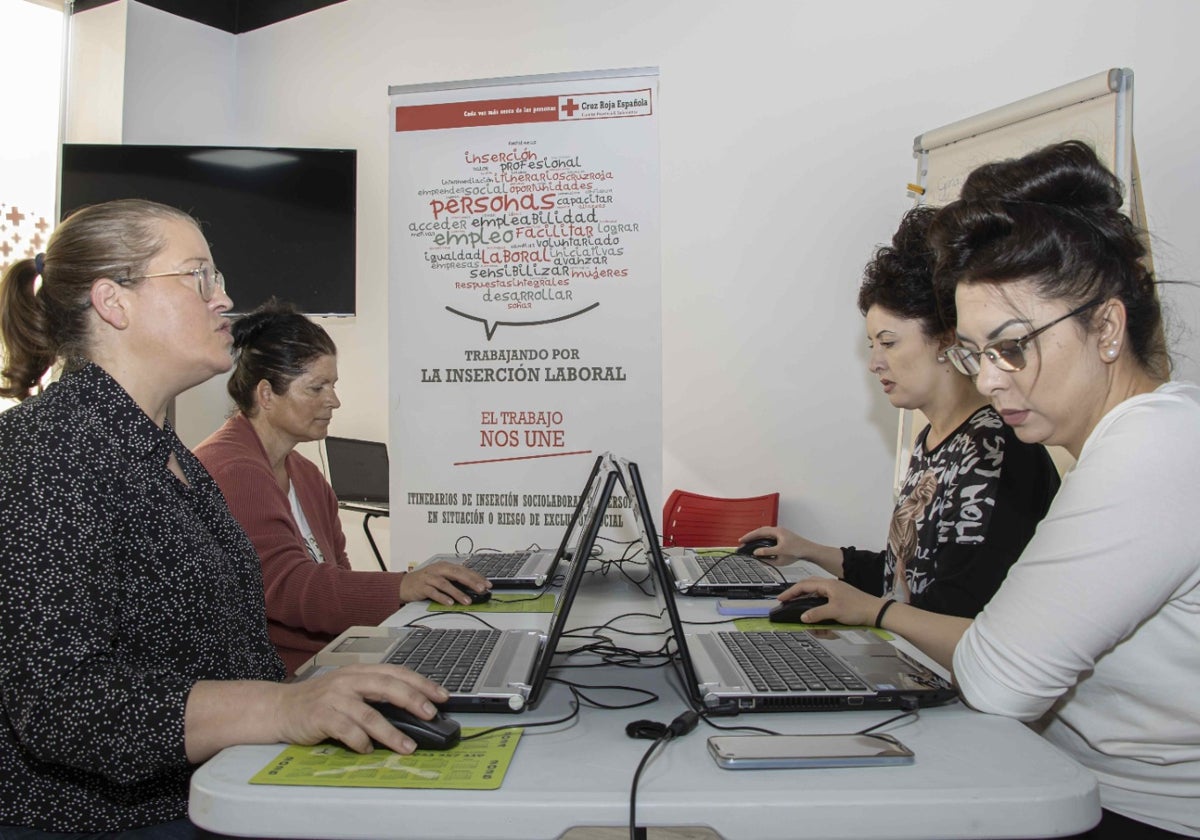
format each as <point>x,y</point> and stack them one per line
<point>879,616</point>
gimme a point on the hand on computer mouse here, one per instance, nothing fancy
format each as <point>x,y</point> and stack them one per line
<point>438,733</point>
<point>789,612</point>
<point>476,597</point>
<point>750,546</point>
<point>429,582</point>
<point>847,604</point>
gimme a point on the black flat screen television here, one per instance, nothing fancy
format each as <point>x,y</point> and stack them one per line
<point>279,221</point>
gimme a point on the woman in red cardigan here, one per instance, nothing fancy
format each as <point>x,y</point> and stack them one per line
<point>283,385</point>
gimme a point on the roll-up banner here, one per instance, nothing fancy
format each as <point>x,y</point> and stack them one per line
<point>524,303</point>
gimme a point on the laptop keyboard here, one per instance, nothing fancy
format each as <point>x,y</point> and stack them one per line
<point>454,658</point>
<point>733,570</point>
<point>498,565</point>
<point>782,661</point>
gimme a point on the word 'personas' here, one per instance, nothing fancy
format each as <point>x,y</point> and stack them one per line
<point>525,233</point>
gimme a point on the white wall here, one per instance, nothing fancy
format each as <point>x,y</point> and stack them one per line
<point>96,76</point>
<point>180,81</point>
<point>138,75</point>
<point>786,136</point>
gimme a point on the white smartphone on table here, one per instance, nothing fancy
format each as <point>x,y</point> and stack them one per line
<point>751,752</point>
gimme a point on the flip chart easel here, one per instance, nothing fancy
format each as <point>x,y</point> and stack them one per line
<point>1097,110</point>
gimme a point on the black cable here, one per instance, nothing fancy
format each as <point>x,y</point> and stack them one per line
<point>627,543</point>
<point>729,620</point>
<point>416,622</point>
<point>576,689</point>
<point>914,713</point>
<point>574,713</point>
<point>632,550</point>
<point>471,549</point>
<point>682,725</point>
<point>608,652</point>
<point>580,700</point>
<point>910,713</point>
<point>633,829</point>
<point>705,716</point>
<point>510,600</point>
<point>608,625</point>
<point>639,582</point>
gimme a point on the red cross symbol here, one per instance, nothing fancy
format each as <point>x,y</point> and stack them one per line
<point>15,216</point>
<point>5,249</point>
<point>570,107</point>
<point>42,224</point>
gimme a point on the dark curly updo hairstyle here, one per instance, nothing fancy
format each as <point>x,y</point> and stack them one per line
<point>1053,217</point>
<point>275,343</point>
<point>899,278</point>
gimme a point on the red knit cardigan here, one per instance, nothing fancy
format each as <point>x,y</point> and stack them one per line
<point>308,603</point>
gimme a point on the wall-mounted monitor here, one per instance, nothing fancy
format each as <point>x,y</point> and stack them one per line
<point>279,221</point>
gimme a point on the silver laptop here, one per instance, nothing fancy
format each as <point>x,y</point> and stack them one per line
<point>485,670</point>
<point>730,575</point>
<point>358,472</point>
<point>783,671</point>
<point>531,568</point>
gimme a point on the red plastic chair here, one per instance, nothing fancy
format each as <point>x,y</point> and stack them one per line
<point>691,519</point>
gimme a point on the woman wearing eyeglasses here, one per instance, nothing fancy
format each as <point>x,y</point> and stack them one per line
<point>1095,634</point>
<point>283,385</point>
<point>133,641</point>
<point>973,493</point>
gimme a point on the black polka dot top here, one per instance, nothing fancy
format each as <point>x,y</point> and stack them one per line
<point>120,587</point>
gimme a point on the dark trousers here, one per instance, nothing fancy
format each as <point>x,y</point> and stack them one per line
<point>175,830</point>
<point>1116,827</point>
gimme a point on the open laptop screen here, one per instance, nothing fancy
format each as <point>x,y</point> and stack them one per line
<point>358,469</point>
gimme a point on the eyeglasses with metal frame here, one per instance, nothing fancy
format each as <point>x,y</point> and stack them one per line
<point>208,280</point>
<point>1007,354</point>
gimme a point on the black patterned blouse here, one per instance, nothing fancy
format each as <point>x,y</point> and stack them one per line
<point>963,517</point>
<point>120,587</point>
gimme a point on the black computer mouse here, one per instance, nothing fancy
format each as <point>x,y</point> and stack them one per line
<point>476,597</point>
<point>438,733</point>
<point>789,612</point>
<point>750,546</point>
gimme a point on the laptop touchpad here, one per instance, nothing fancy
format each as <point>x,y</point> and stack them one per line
<point>366,644</point>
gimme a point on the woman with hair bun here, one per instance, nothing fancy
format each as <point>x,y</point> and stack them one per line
<point>283,385</point>
<point>1095,633</point>
<point>973,493</point>
<point>133,638</point>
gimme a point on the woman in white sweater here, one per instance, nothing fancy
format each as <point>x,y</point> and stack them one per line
<point>1095,633</point>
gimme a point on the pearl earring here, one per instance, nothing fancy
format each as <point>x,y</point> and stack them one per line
<point>1112,352</point>
<point>941,358</point>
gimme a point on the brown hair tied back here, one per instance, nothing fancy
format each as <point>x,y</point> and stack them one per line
<point>115,239</point>
<point>275,343</point>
